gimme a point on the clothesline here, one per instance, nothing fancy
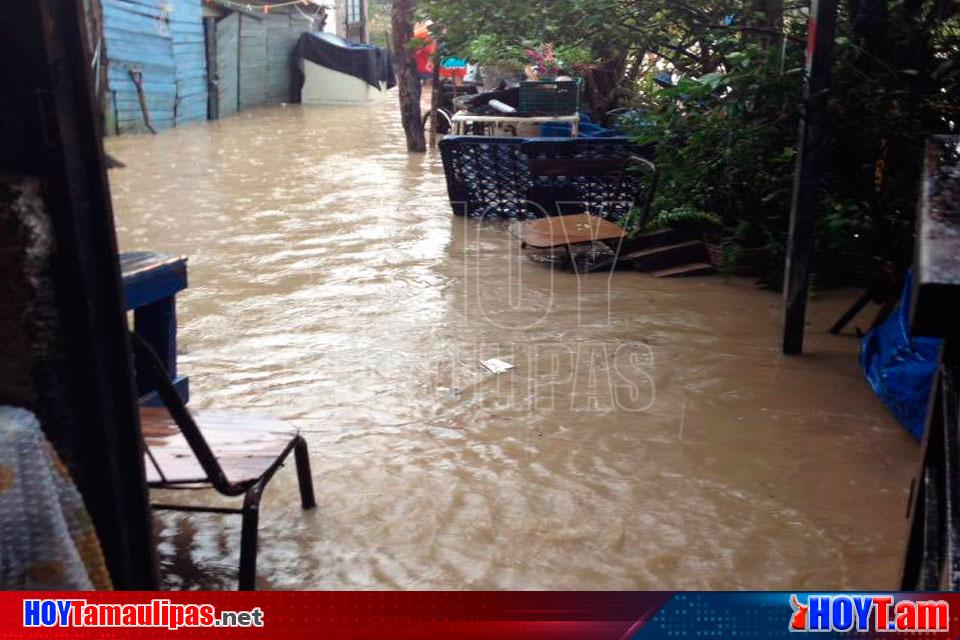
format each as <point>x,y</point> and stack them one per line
<point>265,6</point>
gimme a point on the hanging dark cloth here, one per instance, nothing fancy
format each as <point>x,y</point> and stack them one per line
<point>363,61</point>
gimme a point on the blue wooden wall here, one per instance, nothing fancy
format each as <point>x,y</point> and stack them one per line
<point>190,55</point>
<point>164,40</point>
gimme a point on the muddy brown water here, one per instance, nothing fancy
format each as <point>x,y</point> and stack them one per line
<point>650,436</point>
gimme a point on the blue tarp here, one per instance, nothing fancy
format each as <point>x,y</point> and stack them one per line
<point>899,367</point>
<point>588,129</point>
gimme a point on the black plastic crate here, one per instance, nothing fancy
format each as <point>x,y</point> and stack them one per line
<point>549,97</point>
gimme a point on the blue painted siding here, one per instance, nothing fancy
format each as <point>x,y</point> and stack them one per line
<point>189,53</point>
<point>164,40</point>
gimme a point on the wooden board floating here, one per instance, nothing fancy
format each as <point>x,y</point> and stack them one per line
<point>559,231</point>
<point>591,243</point>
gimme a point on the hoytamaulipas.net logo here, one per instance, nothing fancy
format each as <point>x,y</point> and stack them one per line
<point>156,613</point>
<point>860,613</point>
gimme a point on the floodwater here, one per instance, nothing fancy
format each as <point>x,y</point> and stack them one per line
<point>649,437</point>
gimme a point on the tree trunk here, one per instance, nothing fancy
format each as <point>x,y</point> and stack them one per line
<point>870,25</point>
<point>408,80</point>
<point>604,82</point>
<point>766,23</point>
<point>772,11</point>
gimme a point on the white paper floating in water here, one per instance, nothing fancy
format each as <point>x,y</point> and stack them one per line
<point>495,366</point>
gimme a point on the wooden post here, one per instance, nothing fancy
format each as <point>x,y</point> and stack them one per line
<point>408,79</point>
<point>64,352</point>
<point>823,18</point>
<point>932,559</point>
<point>213,86</point>
<point>435,95</point>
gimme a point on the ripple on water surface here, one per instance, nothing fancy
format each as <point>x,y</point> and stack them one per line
<point>649,437</point>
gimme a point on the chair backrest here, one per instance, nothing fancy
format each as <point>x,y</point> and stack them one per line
<point>532,177</point>
<point>151,370</point>
<point>487,177</point>
<point>605,176</point>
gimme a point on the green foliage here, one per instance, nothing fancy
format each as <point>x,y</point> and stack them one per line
<point>492,48</point>
<point>378,21</point>
<point>513,24</point>
<point>502,48</point>
<point>684,217</point>
<point>726,144</point>
<point>727,131</point>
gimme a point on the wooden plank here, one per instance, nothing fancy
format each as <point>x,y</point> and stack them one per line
<point>165,42</point>
<point>150,277</point>
<point>228,64</point>
<point>189,54</point>
<point>667,257</point>
<point>138,37</point>
<point>253,62</point>
<point>686,271</point>
<point>558,231</point>
<point>280,45</point>
<point>245,444</point>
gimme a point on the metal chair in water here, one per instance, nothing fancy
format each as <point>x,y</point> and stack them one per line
<point>580,196</point>
<point>234,453</point>
<point>528,178</point>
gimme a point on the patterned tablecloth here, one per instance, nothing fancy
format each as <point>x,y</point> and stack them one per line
<point>47,540</point>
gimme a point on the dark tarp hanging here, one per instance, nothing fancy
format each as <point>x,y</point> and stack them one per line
<point>363,61</point>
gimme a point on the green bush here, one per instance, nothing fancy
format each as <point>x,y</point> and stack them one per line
<point>680,217</point>
<point>726,145</point>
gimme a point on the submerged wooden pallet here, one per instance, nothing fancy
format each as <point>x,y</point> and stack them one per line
<point>590,243</point>
<point>564,231</point>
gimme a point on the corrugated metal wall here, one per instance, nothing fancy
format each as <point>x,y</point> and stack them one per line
<point>262,61</point>
<point>163,39</point>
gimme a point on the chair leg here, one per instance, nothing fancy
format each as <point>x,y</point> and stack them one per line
<point>852,312</point>
<point>248,538</point>
<point>302,458</point>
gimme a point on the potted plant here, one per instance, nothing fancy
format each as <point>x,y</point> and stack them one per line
<point>689,220</point>
<point>498,60</point>
<point>542,62</point>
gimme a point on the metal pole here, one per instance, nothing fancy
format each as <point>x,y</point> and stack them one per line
<point>823,19</point>
<point>435,96</point>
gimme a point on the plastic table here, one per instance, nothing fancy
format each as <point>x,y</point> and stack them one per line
<point>462,119</point>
